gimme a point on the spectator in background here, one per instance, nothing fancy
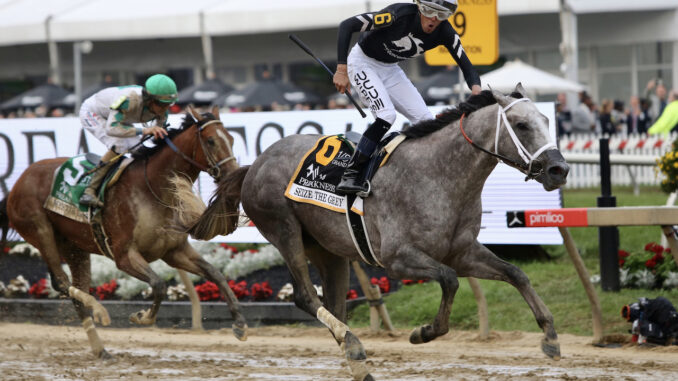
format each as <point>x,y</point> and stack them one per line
<point>668,121</point>
<point>637,119</point>
<point>563,116</point>
<point>655,92</point>
<point>583,116</point>
<point>607,125</point>
<point>618,116</point>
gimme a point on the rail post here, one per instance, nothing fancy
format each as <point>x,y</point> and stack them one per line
<point>608,236</point>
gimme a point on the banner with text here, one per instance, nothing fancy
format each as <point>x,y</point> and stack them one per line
<point>25,141</point>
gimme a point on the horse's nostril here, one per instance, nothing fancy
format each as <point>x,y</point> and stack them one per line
<point>559,170</point>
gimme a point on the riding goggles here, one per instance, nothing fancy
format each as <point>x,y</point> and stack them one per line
<point>431,12</point>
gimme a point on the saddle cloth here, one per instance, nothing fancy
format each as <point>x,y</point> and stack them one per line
<point>70,181</point>
<point>319,172</point>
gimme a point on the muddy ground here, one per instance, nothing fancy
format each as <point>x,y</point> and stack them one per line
<point>40,352</point>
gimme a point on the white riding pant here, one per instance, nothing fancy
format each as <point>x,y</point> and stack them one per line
<point>96,124</point>
<point>384,88</point>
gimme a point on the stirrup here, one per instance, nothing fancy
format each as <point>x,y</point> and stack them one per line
<point>91,201</point>
<point>366,193</point>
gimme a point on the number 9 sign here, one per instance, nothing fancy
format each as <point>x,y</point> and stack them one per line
<point>476,22</point>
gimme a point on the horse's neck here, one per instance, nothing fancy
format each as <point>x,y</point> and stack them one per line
<point>463,160</point>
<point>166,162</point>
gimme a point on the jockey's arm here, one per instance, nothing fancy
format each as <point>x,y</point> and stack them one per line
<point>360,23</point>
<point>459,55</point>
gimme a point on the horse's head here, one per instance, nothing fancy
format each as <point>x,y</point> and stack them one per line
<point>524,139</point>
<point>215,153</point>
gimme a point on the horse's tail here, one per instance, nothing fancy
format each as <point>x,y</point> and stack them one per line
<point>222,214</point>
<point>4,222</point>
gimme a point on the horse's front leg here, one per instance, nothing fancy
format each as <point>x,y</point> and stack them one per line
<point>480,262</point>
<point>189,260</point>
<point>134,264</point>
<point>412,263</point>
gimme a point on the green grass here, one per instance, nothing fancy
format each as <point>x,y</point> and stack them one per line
<point>556,281</point>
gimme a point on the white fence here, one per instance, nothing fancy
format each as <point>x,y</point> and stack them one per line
<point>643,147</point>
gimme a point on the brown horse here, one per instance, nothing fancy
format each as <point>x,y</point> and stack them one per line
<point>138,209</point>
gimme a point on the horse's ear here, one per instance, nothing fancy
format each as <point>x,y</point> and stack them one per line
<point>215,111</point>
<point>520,90</point>
<point>502,99</point>
<point>195,114</point>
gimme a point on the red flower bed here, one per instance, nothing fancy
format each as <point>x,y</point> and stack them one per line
<point>239,289</point>
<point>351,294</point>
<point>261,291</point>
<point>39,289</point>
<point>208,291</point>
<point>106,290</point>
<point>383,283</point>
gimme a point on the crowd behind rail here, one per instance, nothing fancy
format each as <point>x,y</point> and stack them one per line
<point>645,125</point>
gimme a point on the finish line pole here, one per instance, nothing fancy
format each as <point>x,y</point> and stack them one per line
<point>608,236</point>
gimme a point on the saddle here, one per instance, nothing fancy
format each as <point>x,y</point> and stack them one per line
<point>319,172</point>
<point>70,181</point>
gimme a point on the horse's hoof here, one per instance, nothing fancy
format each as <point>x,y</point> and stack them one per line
<point>240,333</point>
<point>418,335</point>
<point>105,356</point>
<point>141,318</point>
<point>550,348</point>
<point>354,349</point>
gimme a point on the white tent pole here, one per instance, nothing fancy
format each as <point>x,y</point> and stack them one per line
<point>569,48</point>
<point>207,48</point>
<point>54,72</point>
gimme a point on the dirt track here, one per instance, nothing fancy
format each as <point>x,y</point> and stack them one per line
<point>282,353</point>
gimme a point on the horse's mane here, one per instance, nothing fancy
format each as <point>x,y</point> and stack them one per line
<point>474,102</point>
<point>144,152</point>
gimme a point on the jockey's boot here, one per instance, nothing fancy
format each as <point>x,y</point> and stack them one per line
<point>350,182</point>
<point>89,197</point>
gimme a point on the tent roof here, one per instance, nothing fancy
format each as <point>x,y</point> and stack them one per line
<point>534,80</point>
<point>24,21</point>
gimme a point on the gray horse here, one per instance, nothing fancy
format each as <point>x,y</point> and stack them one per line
<point>423,215</point>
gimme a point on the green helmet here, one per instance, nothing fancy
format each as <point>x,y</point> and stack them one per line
<point>161,88</point>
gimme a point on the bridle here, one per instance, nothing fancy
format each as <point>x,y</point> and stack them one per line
<point>213,169</point>
<point>525,167</point>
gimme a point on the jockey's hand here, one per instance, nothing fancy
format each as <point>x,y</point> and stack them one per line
<point>340,80</point>
<point>475,90</point>
<point>156,131</point>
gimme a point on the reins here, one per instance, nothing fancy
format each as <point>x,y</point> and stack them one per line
<point>526,167</point>
<point>213,170</point>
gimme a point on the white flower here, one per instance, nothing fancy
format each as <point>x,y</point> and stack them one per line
<point>2,288</point>
<point>177,292</point>
<point>671,280</point>
<point>645,278</point>
<point>25,249</point>
<point>104,270</point>
<point>286,293</point>
<point>626,279</point>
<point>129,287</point>
<point>595,279</point>
<point>18,285</point>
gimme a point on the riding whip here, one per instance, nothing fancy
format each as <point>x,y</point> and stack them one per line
<point>310,53</point>
<point>116,158</point>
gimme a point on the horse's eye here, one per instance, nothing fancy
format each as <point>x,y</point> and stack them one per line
<point>211,142</point>
<point>521,126</point>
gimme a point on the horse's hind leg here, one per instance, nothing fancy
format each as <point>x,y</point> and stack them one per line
<point>188,259</point>
<point>286,235</point>
<point>79,263</point>
<point>484,264</point>
<point>334,271</point>
<point>411,263</point>
<point>134,264</point>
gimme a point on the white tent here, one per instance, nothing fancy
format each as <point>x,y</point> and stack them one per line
<point>534,80</point>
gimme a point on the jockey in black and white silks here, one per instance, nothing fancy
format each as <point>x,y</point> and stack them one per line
<point>396,33</point>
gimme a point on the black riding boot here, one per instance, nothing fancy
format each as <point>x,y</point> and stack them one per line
<point>350,182</point>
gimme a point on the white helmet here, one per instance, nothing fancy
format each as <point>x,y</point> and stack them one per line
<point>442,9</point>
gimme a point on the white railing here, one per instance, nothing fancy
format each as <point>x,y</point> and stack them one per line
<point>632,157</point>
